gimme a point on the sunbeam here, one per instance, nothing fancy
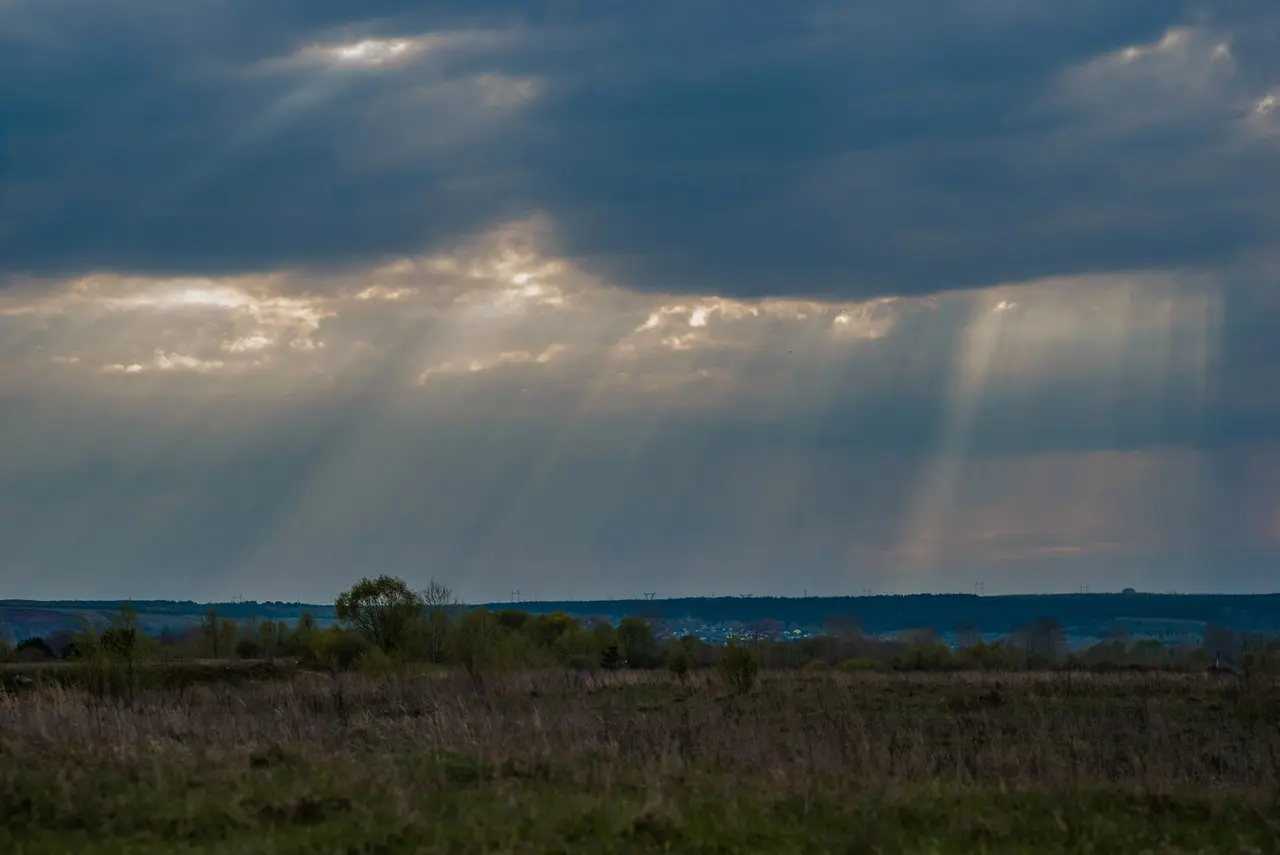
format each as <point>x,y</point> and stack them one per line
<point>1111,358</point>
<point>530,416</point>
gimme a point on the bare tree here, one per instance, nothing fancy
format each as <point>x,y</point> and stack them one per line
<point>437,601</point>
<point>1043,638</point>
<point>437,595</point>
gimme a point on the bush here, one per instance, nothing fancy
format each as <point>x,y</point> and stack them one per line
<point>376,662</point>
<point>341,648</point>
<point>638,644</point>
<point>34,649</point>
<point>989,657</point>
<point>925,657</point>
<point>513,620</point>
<point>477,643</point>
<point>611,658</point>
<point>739,667</point>
<point>1256,662</point>
<point>572,643</point>
<point>679,662</point>
<point>863,664</point>
<point>80,649</point>
<point>247,648</point>
<point>581,662</point>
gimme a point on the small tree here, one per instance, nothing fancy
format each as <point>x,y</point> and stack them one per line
<point>86,642</point>
<point>611,658</point>
<point>228,634</point>
<point>33,649</point>
<point>211,630</point>
<point>679,662</point>
<point>304,640</point>
<point>383,610</point>
<point>513,620</point>
<point>434,626</point>
<point>546,630</point>
<point>738,667</point>
<point>120,638</point>
<point>635,636</point>
<point>433,636</point>
<point>270,634</point>
<point>1043,642</point>
<point>438,596</point>
<point>925,657</point>
<point>248,648</point>
<point>602,633</point>
<point>477,643</point>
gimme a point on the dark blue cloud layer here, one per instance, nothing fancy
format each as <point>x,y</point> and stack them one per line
<point>815,147</point>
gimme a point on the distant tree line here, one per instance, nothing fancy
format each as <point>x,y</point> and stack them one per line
<point>940,612</point>
<point>385,626</point>
<point>1081,614</point>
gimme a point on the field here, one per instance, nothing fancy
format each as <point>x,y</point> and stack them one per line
<point>636,762</point>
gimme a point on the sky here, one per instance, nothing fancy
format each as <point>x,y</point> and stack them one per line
<point>592,299</point>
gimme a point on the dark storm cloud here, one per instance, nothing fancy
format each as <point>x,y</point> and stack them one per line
<point>817,147</point>
<point>489,412</point>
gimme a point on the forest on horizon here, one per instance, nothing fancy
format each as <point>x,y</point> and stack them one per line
<point>1083,613</point>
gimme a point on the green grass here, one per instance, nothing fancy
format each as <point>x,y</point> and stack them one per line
<point>425,803</point>
<point>636,763</point>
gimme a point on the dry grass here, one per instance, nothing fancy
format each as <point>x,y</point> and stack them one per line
<point>344,763</point>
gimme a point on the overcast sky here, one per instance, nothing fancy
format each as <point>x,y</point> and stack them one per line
<point>588,299</point>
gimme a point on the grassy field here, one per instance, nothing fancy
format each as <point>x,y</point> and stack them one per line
<point>569,762</point>
<point>23,678</point>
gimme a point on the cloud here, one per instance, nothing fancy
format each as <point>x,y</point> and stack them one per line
<point>824,149</point>
<point>1124,360</point>
<point>828,296</point>
<point>166,362</point>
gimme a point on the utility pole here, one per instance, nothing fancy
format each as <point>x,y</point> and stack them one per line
<point>515,596</point>
<point>649,595</point>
